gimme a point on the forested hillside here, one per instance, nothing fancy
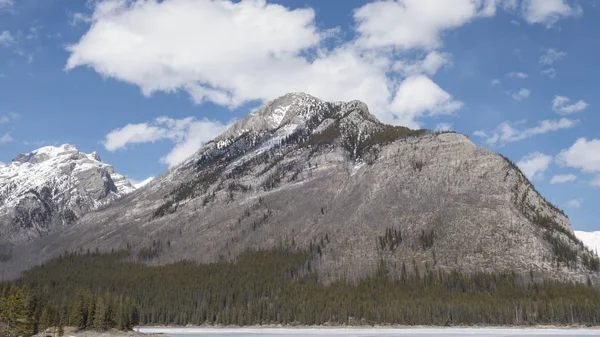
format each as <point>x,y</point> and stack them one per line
<point>277,286</point>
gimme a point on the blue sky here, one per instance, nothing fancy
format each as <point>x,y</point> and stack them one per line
<point>146,83</point>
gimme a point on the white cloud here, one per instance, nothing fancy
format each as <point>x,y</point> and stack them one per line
<point>521,94</point>
<point>507,132</point>
<point>269,50</point>
<point>408,24</point>
<point>133,134</point>
<point>6,3</point>
<point>443,127</point>
<point>198,133</point>
<point>550,72</point>
<point>517,75</point>
<point>76,18</point>
<point>575,203</point>
<point>550,56</point>
<point>188,134</point>
<point>583,154</point>
<point>563,178</point>
<point>534,165</point>
<point>495,81</point>
<point>429,65</point>
<point>6,38</point>
<point>560,104</point>
<point>418,96</point>
<point>6,138</point>
<point>595,182</point>
<point>548,12</point>
<point>166,46</point>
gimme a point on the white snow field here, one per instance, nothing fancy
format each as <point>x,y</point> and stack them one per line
<point>361,332</point>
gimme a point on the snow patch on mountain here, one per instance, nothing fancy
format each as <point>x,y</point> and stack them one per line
<point>52,186</point>
<point>140,184</point>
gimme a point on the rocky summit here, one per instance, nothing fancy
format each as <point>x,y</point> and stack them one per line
<point>50,188</point>
<point>300,172</point>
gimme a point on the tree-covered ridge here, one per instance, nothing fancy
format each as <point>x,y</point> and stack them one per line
<point>280,287</point>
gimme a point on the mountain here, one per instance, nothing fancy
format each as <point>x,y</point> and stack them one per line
<point>50,188</point>
<point>329,177</point>
<point>590,239</point>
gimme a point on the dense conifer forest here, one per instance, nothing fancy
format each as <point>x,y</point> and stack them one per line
<point>103,291</point>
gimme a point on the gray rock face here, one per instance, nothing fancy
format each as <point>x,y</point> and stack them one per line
<point>50,188</point>
<point>300,172</point>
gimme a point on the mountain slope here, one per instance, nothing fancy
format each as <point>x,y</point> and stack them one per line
<point>50,188</point>
<point>301,172</point>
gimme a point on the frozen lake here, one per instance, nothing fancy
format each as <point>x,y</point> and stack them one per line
<point>377,332</point>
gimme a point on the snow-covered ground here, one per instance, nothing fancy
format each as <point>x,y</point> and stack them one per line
<point>590,239</point>
<point>360,332</point>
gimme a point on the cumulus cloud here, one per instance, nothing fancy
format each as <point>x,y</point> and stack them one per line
<point>495,82</point>
<point>6,138</point>
<point>6,38</point>
<point>534,165</point>
<point>560,104</point>
<point>521,94</point>
<point>595,182</point>
<point>508,132</point>
<point>265,50</point>
<point>429,65</point>
<point>6,4</point>
<point>517,75</point>
<point>563,178</point>
<point>408,24</point>
<point>575,203</point>
<point>550,56</point>
<point>583,154</point>
<point>188,134</point>
<point>418,96</point>
<point>548,12</point>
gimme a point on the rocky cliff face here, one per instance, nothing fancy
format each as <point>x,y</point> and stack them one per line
<point>50,188</point>
<point>329,177</point>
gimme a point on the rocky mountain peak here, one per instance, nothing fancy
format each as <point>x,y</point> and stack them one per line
<point>305,173</point>
<point>45,153</point>
<point>52,186</point>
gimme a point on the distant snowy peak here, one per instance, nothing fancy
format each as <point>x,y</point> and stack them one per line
<point>590,239</point>
<point>45,153</point>
<point>51,187</point>
<point>50,163</point>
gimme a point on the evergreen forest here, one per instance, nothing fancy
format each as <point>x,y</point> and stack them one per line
<point>115,291</point>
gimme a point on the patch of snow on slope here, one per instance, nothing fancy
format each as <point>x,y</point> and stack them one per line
<point>278,114</point>
<point>140,184</point>
<point>590,239</point>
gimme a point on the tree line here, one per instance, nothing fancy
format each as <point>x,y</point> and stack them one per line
<point>26,311</point>
<point>280,286</point>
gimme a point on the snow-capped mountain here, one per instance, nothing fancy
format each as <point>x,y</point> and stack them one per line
<point>329,177</point>
<point>51,187</point>
<point>590,239</point>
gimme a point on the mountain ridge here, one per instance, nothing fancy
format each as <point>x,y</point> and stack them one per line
<point>301,172</point>
<point>50,187</point>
